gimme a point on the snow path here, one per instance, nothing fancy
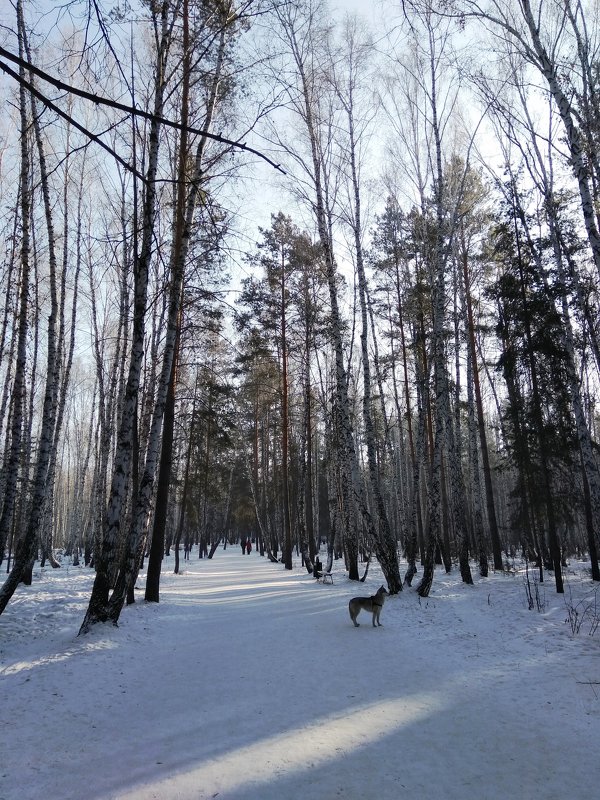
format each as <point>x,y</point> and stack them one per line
<point>248,682</point>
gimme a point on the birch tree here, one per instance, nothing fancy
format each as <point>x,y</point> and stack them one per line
<point>558,41</point>
<point>98,608</point>
<point>431,70</point>
<point>391,256</point>
<point>18,394</point>
<point>304,35</point>
<point>349,76</point>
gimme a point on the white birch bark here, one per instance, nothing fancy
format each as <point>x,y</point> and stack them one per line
<point>385,544</point>
<point>26,545</point>
<point>142,507</point>
<point>300,33</point>
<point>98,608</point>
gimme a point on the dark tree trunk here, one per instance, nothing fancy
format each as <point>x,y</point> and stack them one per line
<point>157,543</point>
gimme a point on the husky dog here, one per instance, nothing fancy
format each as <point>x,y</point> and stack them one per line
<point>374,604</point>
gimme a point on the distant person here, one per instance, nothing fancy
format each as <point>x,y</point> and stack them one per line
<point>243,546</point>
<point>248,546</point>
<point>318,568</point>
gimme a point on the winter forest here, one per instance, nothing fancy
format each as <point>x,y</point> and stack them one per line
<point>324,278</point>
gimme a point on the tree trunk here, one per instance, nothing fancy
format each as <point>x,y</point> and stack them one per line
<point>385,544</point>
<point>487,473</point>
<point>553,539</point>
<point>184,496</point>
<point>157,542</point>
<point>443,422</point>
<point>24,549</point>
<point>350,483</point>
<point>287,530</point>
<point>98,608</point>
<point>478,532</point>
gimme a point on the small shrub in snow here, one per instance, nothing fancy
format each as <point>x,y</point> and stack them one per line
<point>535,597</point>
<point>582,611</point>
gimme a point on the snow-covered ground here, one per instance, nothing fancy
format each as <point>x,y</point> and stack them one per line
<point>248,682</point>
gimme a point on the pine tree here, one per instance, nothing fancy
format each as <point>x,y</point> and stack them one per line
<point>533,361</point>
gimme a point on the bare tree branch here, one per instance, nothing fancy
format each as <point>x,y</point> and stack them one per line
<point>99,100</point>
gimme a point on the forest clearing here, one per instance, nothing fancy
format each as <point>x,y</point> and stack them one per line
<point>285,290</point>
<point>249,682</point>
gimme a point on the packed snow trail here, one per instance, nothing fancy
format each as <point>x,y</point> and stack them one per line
<point>249,682</point>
